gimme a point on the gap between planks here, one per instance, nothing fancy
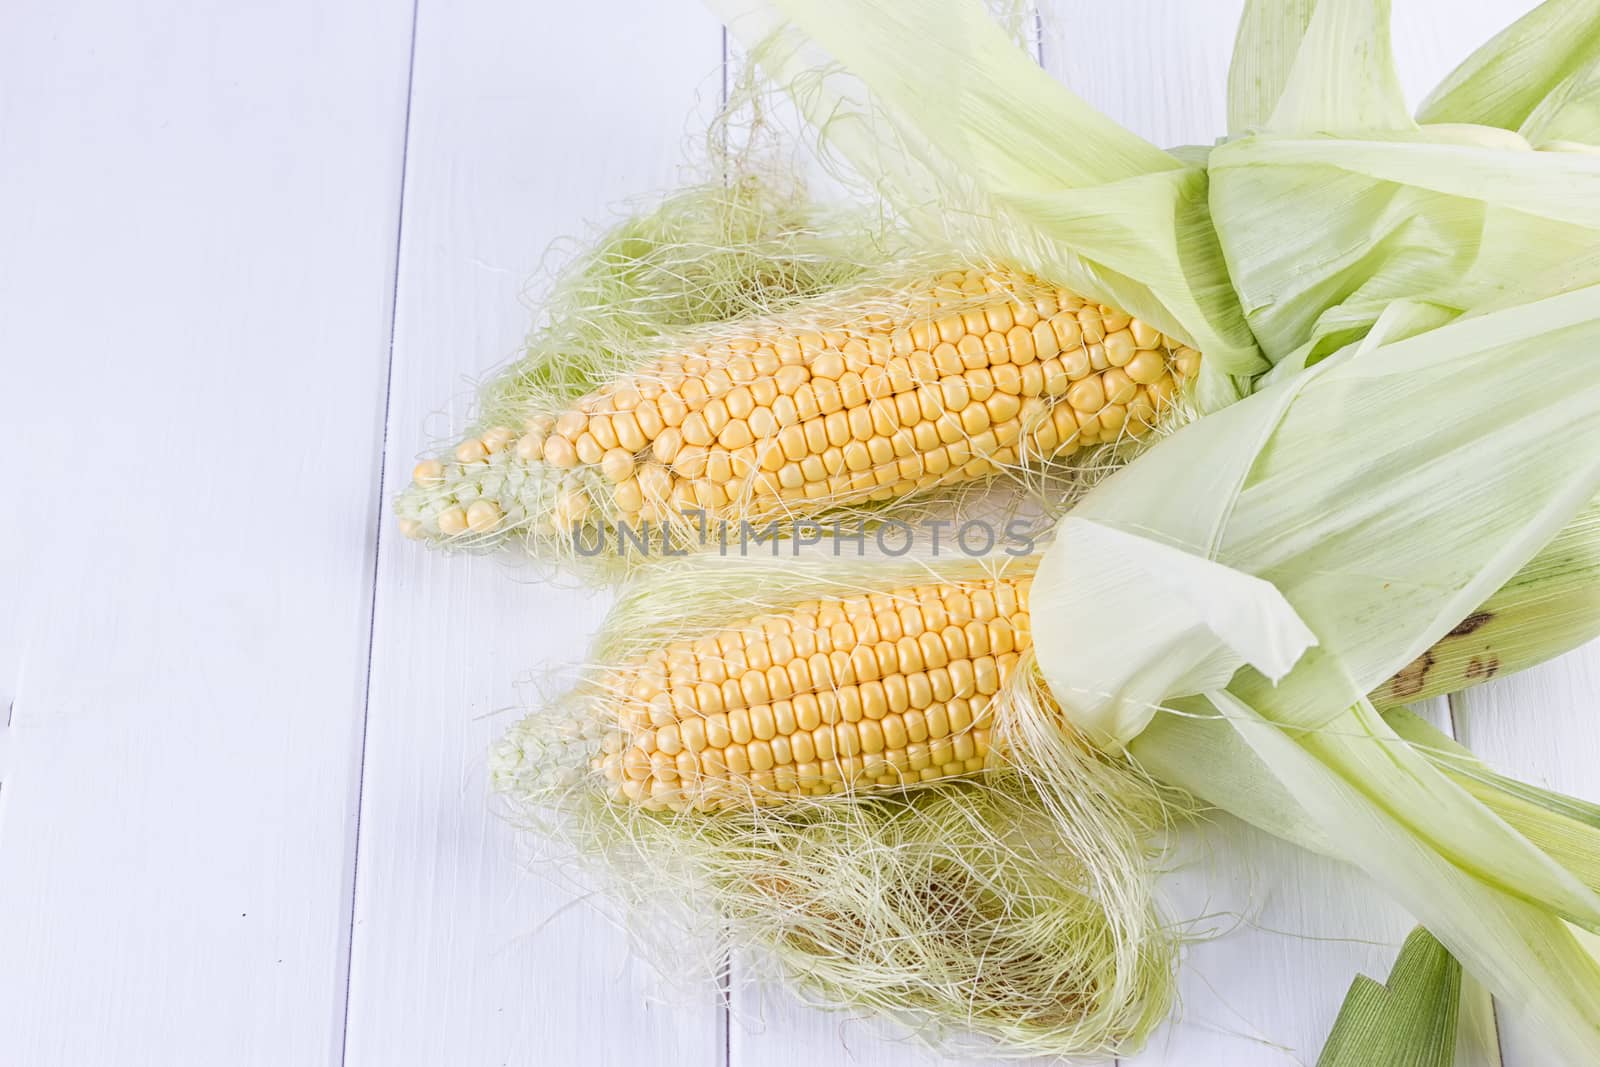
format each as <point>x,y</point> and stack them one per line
<point>380,520</point>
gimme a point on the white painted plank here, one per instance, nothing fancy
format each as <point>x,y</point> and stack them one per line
<point>1158,67</point>
<point>770,1027</point>
<point>197,231</point>
<point>1543,726</point>
<point>528,123</point>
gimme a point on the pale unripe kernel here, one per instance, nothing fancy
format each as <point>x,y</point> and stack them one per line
<point>530,447</point>
<point>570,424</point>
<point>429,472</point>
<point>498,438</point>
<point>589,448</point>
<point>571,509</point>
<point>558,452</point>
<point>483,516</point>
<point>617,465</point>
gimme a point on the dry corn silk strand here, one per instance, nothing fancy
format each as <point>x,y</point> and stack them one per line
<point>871,394</point>
<point>845,818</point>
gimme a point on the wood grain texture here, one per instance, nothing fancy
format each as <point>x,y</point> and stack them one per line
<point>770,1027</point>
<point>529,123</point>
<point>197,228</point>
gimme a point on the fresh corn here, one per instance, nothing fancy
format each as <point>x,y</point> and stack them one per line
<point>944,381</point>
<point>877,689</point>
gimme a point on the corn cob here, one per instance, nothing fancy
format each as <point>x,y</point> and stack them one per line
<point>887,689</point>
<point>940,382</point>
<point>880,689</point>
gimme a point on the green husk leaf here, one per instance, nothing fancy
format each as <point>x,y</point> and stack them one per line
<point>1382,528</point>
<point>1568,119</point>
<point>1344,76</point>
<point>1457,213</point>
<point>1432,519</point>
<point>1440,217</point>
<point>1410,1022</point>
<point>1522,69</point>
<point>978,148</point>
<point>1264,50</point>
<point>1531,959</point>
<point>1315,66</point>
<point>1477,1030</point>
<point>1549,607</point>
<point>1565,828</point>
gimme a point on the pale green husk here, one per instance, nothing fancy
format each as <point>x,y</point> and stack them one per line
<point>1565,828</point>
<point>1536,76</point>
<point>1549,607</point>
<point>1009,913</point>
<point>1381,529</point>
<point>1457,212</point>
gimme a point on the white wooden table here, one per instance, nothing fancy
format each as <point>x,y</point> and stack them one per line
<point>247,252</point>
